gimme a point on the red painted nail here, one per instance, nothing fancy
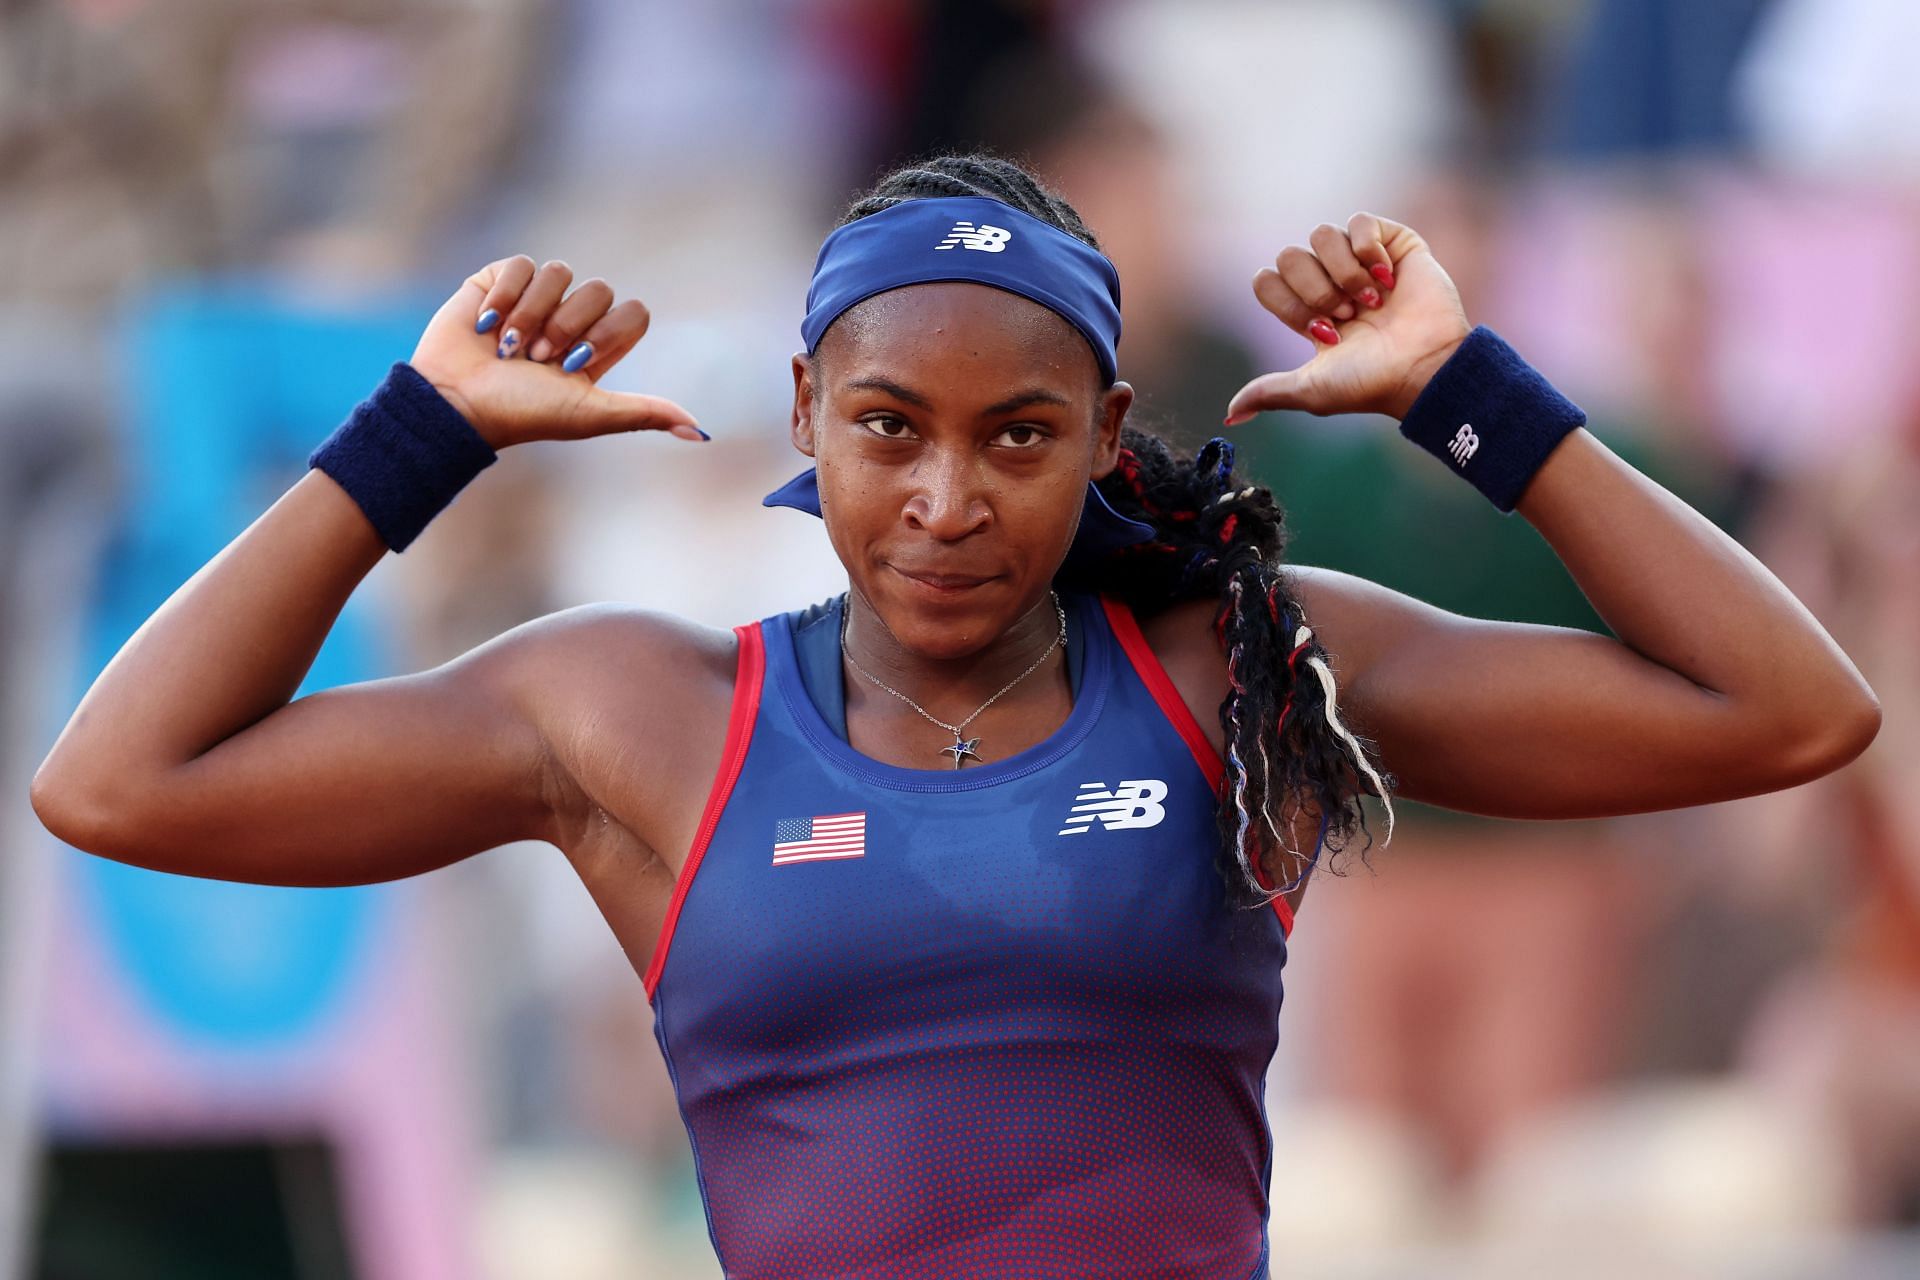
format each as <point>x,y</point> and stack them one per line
<point>1235,419</point>
<point>1370,296</point>
<point>1383,273</point>
<point>1324,331</point>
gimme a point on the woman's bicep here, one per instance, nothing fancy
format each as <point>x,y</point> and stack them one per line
<point>1522,720</point>
<point>355,784</point>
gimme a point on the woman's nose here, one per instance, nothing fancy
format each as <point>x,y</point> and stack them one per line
<point>948,500</point>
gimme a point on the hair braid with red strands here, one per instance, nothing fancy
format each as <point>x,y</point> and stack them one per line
<point>1287,751</point>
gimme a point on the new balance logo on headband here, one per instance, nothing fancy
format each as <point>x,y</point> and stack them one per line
<point>984,238</point>
<point>1463,444</point>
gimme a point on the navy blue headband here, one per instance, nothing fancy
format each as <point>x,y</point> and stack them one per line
<point>987,242</point>
<point>970,238</point>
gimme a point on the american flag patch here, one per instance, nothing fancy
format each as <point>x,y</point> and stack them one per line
<point>833,835</point>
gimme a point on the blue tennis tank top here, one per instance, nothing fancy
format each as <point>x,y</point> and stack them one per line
<point>997,1022</point>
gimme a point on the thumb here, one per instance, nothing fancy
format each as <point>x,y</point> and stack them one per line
<point>1291,389</point>
<point>604,412</point>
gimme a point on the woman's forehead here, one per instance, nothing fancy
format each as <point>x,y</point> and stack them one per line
<point>959,327</point>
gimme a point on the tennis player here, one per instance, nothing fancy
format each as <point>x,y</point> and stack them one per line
<point>962,898</point>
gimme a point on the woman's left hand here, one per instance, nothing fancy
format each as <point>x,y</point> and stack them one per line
<point>1381,312</point>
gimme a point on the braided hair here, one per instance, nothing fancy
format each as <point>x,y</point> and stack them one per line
<point>1219,538</point>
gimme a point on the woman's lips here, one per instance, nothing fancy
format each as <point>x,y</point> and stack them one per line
<point>945,584</point>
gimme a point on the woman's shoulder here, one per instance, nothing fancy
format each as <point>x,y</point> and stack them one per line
<point>618,637</point>
<point>614,663</point>
<point>633,704</point>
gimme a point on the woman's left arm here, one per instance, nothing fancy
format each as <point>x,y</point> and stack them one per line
<point>1719,684</point>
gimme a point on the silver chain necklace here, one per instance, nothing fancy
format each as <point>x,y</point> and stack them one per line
<point>962,746</point>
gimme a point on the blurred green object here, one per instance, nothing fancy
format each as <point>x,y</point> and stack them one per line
<point>192,1211</point>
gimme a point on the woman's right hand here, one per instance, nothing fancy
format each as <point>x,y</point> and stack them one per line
<point>499,348</point>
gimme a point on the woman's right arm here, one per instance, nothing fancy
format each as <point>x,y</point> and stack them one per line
<point>188,756</point>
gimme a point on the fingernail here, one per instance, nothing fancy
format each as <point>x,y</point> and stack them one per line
<point>1344,311</point>
<point>1235,419</point>
<point>540,350</point>
<point>687,431</point>
<point>509,343</point>
<point>1370,296</point>
<point>1324,331</point>
<point>578,357</point>
<point>1383,273</point>
<point>487,320</point>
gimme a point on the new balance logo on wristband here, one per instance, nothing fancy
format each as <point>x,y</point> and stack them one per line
<point>1463,444</point>
<point>984,238</point>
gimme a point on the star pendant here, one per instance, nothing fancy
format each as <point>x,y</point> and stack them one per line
<point>961,749</point>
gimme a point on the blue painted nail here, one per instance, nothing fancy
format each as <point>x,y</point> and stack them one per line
<point>509,343</point>
<point>578,357</point>
<point>487,320</point>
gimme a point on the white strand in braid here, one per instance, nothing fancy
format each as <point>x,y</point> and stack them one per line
<point>1266,769</point>
<point>1247,492</point>
<point>1333,718</point>
<point>1233,757</point>
<point>1240,804</point>
<point>1266,789</point>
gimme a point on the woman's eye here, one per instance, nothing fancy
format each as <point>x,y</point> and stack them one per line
<point>1024,436</point>
<point>887,428</point>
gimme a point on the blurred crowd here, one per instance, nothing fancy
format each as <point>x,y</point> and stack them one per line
<point>1685,1042</point>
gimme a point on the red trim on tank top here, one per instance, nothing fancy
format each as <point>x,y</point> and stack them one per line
<point>1126,629</point>
<point>748,676</point>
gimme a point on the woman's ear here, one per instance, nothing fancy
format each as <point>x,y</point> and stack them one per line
<point>1109,416</point>
<point>802,426</point>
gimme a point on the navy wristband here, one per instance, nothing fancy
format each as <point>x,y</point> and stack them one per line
<point>403,454</point>
<point>1490,417</point>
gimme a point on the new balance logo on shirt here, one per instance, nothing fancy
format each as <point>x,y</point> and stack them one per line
<point>984,238</point>
<point>1135,803</point>
<point>1463,444</point>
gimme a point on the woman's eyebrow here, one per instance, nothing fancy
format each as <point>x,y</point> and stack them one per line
<point>893,389</point>
<point>1021,399</point>
<point>1018,400</point>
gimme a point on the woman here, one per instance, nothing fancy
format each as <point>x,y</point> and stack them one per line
<point>918,880</point>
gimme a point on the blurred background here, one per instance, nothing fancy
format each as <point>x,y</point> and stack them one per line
<point>1683,1044</point>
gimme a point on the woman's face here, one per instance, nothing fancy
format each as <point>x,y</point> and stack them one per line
<point>954,427</point>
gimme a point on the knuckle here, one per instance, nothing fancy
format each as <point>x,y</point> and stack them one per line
<point>519,260</point>
<point>1326,233</point>
<point>1293,255</point>
<point>1350,275</point>
<point>594,287</point>
<point>556,266</point>
<point>628,317</point>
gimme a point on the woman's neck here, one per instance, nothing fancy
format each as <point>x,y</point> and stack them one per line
<point>950,688</point>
